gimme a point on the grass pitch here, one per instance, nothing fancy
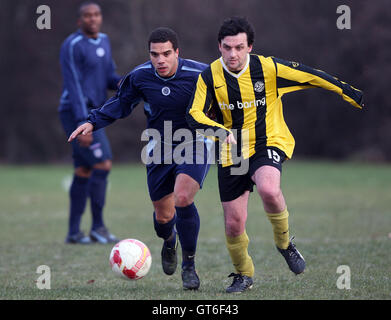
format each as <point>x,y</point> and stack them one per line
<point>339,214</point>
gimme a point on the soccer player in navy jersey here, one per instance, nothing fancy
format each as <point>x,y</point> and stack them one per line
<point>88,71</point>
<point>165,84</point>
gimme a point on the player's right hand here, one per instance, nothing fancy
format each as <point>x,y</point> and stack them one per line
<point>230,139</point>
<point>84,129</point>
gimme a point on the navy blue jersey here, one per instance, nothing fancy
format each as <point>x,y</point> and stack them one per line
<point>165,99</point>
<point>88,71</point>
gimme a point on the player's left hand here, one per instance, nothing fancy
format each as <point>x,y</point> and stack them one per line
<point>84,129</point>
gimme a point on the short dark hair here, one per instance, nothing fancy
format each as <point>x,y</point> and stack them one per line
<point>86,4</point>
<point>163,34</point>
<point>234,25</point>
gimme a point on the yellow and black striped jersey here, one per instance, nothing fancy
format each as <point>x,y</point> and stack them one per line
<point>250,102</point>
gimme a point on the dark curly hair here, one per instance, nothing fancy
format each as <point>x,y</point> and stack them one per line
<point>234,25</point>
<point>163,34</point>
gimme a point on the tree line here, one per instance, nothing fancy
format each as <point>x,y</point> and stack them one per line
<point>323,125</point>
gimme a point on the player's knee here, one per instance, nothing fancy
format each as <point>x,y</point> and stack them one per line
<point>83,172</point>
<point>270,194</point>
<point>104,165</point>
<point>183,199</point>
<point>163,216</point>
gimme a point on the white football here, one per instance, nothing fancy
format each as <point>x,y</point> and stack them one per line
<point>130,259</point>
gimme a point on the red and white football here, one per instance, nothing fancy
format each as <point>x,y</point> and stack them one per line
<point>130,259</point>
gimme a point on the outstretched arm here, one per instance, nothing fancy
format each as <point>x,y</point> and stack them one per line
<point>292,76</point>
<point>117,107</point>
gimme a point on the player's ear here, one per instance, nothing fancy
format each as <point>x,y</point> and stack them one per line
<point>250,48</point>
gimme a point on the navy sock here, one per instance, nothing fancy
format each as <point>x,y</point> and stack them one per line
<point>188,227</point>
<point>166,231</point>
<point>97,190</point>
<point>78,194</point>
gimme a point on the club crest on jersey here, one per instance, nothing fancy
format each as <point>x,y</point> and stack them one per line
<point>166,91</point>
<point>294,64</point>
<point>98,153</point>
<point>100,52</point>
<point>96,150</point>
<point>259,86</point>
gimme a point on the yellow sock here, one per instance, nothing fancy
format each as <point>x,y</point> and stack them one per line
<point>280,225</point>
<point>237,248</point>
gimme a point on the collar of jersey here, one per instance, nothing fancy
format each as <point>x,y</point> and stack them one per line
<point>93,41</point>
<point>165,79</point>
<point>236,75</point>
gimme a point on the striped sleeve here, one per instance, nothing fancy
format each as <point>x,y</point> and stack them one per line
<point>200,103</point>
<point>292,76</point>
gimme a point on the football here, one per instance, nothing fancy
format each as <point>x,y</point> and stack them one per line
<point>130,259</point>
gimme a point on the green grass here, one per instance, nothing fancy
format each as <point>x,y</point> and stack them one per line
<point>339,213</point>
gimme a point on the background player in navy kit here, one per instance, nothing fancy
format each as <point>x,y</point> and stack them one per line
<point>88,71</point>
<point>166,84</point>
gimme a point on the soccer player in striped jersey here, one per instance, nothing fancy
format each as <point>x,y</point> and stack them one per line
<point>243,91</point>
<point>88,71</point>
<point>165,83</point>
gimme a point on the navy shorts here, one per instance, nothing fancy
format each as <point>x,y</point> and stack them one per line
<point>161,177</point>
<point>232,186</point>
<point>97,152</point>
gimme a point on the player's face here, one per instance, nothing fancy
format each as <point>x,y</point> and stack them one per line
<point>234,50</point>
<point>164,58</point>
<point>90,20</point>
